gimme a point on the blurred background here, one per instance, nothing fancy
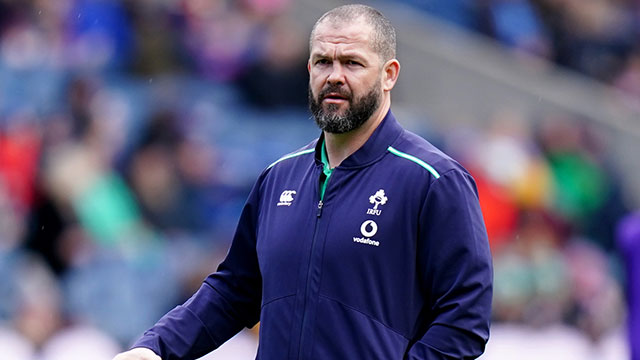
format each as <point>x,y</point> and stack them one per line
<point>131,132</point>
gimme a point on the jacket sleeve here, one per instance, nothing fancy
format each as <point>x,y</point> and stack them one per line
<point>456,271</point>
<point>227,301</point>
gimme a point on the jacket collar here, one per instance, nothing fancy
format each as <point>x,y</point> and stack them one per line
<point>374,148</point>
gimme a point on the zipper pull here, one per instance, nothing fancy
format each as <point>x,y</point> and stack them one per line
<point>319,213</point>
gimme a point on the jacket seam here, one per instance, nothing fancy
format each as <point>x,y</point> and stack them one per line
<point>291,156</point>
<point>365,314</point>
<point>425,165</point>
<point>276,299</point>
<point>206,328</point>
<point>245,321</point>
<point>431,188</point>
<point>444,174</point>
<point>429,346</point>
<point>403,139</point>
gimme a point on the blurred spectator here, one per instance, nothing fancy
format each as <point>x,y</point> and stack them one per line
<point>123,293</point>
<point>539,209</point>
<point>629,80</point>
<point>579,182</point>
<point>516,24</point>
<point>266,8</point>
<point>7,14</point>
<point>593,37</point>
<point>597,296</point>
<point>80,93</point>
<point>511,174</point>
<point>100,35</point>
<point>12,223</point>
<point>532,279</point>
<point>51,216</point>
<point>460,12</point>
<point>280,78</point>
<point>23,45</point>
<point>78,178</point>
<point>583,188</point>
<point>222,39</point>
<point>155,178</point>
<point>157,45</point>
<point>46,231</point>
<point>19,152</point>
<point>35,299</point>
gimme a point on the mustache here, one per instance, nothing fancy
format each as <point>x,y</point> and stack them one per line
<point>336,89</point>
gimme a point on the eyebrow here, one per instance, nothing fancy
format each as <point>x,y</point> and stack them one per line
<point>347,56</point>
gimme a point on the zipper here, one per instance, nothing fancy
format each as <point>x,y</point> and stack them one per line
<point>308,282</point>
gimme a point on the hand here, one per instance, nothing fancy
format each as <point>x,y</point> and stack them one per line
<point>137,354</point>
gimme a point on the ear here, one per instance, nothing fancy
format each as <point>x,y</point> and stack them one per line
<point>390,72</point>
<point>309,65</point>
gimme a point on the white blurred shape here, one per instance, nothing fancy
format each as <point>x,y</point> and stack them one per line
<point>14,346</point>
<point>614,346</point>
<point>510,342</point>
<point>242,346</point>
<point>80,343</point>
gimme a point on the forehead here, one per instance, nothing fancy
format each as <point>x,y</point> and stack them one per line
<point>354,35</point>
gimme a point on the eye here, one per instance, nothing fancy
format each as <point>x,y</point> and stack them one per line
<point>322,62</point>
<point>353,62</point>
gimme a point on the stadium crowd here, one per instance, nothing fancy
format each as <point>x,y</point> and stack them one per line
<point>132,131</point>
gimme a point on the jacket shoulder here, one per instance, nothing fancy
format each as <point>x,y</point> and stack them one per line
<point>306,150</point>
<point>417,152</point>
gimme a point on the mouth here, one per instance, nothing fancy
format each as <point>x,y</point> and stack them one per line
<point>334,97</point>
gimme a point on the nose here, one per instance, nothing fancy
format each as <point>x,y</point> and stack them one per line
<point>336,76</point>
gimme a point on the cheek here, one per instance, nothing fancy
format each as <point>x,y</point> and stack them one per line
<point>314,88</point>
<point>315,80</point>
<point>360,89</point>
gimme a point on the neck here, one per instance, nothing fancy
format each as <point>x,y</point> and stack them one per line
<point>341,146</point>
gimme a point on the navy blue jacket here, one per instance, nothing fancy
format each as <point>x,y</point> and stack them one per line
<point>393,263</point>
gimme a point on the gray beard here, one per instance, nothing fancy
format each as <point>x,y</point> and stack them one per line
<point>358,112</point>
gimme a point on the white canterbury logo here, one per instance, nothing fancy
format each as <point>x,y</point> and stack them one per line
<point>286,198</point>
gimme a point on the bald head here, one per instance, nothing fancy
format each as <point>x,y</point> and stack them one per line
<point>383,35</point>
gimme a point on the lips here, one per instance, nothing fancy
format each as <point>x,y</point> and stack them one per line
<point>334,96</point>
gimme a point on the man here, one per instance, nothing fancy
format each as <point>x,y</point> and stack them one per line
<point>366,244</point>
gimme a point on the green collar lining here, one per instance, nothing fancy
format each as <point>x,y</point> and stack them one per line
<point>326,169</point>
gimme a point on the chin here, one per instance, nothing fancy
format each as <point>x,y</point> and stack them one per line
<point>335,110</point>
<point>336,114</point>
